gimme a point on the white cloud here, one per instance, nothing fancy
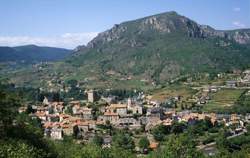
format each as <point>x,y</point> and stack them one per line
<point>239,24</point>
<point>67,40</point>
<point>236,9</point>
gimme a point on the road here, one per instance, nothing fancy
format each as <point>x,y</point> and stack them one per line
<point>200,147</point>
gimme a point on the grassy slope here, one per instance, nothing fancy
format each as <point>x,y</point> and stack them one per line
<point>223,99</point>
<point>172,91</point>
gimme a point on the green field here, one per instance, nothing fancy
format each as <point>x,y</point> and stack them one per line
<point>223,100</point>
<point>173,91</point>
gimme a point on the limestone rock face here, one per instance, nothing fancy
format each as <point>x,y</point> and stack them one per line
<point>162,47</point>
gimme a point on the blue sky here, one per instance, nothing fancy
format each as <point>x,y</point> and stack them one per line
<point>68,23</point>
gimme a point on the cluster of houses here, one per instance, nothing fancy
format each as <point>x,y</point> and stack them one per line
<point>57,121</point>
<point>242,80</point>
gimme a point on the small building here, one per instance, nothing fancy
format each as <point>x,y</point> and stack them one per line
<point>128,122</point>
<point>92,96</point>
<point>231,84</point>
<point>107,142</point>
<point>83,127</point>
<point>75,108</point>
<point>67,129</point>
<point>110,116</point>
<point>120,109</point>
<point>45,101</point>
<point>136,109</point>
<point>56,133</point>
<point>86,113</point>
<point>41,115</point>
<point>22,109</point>
<point>155,112</point>
<point>153,145</point>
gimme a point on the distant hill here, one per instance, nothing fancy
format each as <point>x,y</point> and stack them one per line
<point>32,53</point>
<point>162,47</point>
<point>139,53</point>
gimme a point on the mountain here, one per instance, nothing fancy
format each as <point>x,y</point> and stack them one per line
<point>32,53</point>
<point>134,54</point>
<point>162,47</point>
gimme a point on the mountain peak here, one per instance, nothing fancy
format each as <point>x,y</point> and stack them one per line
<point>161,47</point>
<point>162,24</point>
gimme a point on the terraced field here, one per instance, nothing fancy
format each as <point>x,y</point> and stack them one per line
<point>223,99</point>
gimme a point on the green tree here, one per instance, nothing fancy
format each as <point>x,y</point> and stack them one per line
<point>8,110</point>
<point>123,140</point>
<point>116,152</point>
<point>23,133</point>
<point>144,143</point>
<point>178,127</point>
<point>97,140</point>
<point>222,141</point>
<point>177,146</point>
<point>160,131</point>
<point>16,149</point>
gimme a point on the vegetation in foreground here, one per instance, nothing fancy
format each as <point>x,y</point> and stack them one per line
<point>21,136</point>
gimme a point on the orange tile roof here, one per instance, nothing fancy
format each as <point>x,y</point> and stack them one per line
<point>110,114</point>
<point>86,123</point>
<point>40,114</point>
<point>167,122</point>
<point>65,115</point>
<point>47,124</point>
<point>115,106</point>
<point>99,122</point>
<point>75,102</point>
<point>153,145</point>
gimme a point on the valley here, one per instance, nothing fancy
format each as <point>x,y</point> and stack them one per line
<point>158,86</point>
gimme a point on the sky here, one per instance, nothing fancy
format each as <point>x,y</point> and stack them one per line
<point>69,23</point>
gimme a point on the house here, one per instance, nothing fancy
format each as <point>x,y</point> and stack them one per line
<point>67,128</point>
<point>234,119</point>
<point>213,118</point>
<point>41,109</point>
<point>213,89</point>
<point>153,145</point>
<point>57,107</point>
<point>109,116</point>
<point>22,109</point>
<point>53,130</point>
<point>150,122</point>
<point>74,102</point>
<point>136,109</point>
<point>83,126</point>
<point>155,112</point>
<point>86,113</point>
<point>169,113</point>
<point>56,133</point>
<point>75,108</point>
<point>231,84</point>
<point>167,122</point>
<point>41,115</point>
<point>120,109</point>
<point>128,122</point>
<point>107,142</point>
<point>52,118</point>
<point>109,100</point>
<point>63,117</point>
<point>247,118</point>
<point>82,112</point>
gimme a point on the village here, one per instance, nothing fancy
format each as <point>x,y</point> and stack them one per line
<point>81,119</point>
